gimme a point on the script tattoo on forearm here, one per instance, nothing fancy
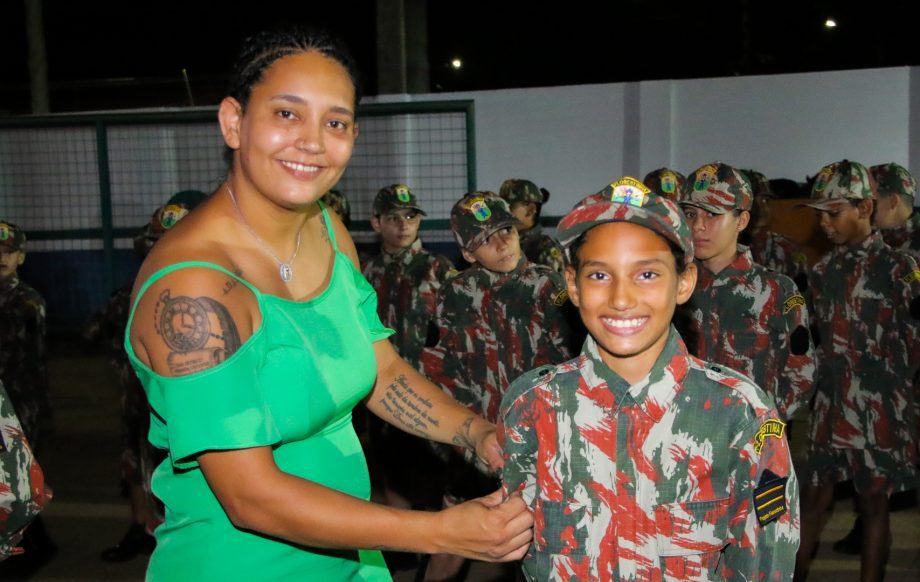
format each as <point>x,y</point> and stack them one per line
<point>199,332</point>
<point>409,408</point>
<point>463,438</point>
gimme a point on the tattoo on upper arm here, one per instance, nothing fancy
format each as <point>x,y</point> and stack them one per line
<point>198,331</point>
<point>463,438</point>
<point>408,407</point>
<point>232,283</point>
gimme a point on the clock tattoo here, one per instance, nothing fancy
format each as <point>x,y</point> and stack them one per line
<point>196,325</point>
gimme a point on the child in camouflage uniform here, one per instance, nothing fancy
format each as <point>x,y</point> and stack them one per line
<point>895,215</point>
<point>666,182</point>
<point>640,461</point>
<point>866,299</point>
<point>743,315</point>
<point>525,201</point>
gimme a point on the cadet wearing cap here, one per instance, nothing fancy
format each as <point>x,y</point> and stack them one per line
<point>866,299</point>
<point>895,215</point>
<point>639,461</point>
<point>526,202</point>
<point>339,204</point>
<point>666,182</point>
<point>744,316</point>
<point>22,337</point>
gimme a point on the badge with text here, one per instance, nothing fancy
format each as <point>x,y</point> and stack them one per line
<point>668,183</point>
<point>560,298</point>
<point>906,279</point>
<point>629,191</point>
<point>705,177</point>
<point>770,497</point>
<point>793,302</point>
<point>480,209</point>
<point>770,428</point>
<point>402,192</point>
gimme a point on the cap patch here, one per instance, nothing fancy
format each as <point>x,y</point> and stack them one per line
<point>6,233</point>
<point>770,428</point>
<point>793,302</point>
<point>908,278</point>
<point>629,191</point>
<point>480,209</point>
<point>824,178</point>
<point>402,193</point>
<point>770,497</point>
<point>668,182</point>
<point>172,214</point>
<point>705,176</point>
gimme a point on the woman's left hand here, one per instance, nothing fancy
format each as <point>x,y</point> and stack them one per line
<point>488,452</point>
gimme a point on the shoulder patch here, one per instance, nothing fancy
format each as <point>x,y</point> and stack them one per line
<point>451,273</point>
<point>911,277</point>
<point>560,298</point>
<point>770,428</point>
<point>795,301</point>
<point>770,498</point>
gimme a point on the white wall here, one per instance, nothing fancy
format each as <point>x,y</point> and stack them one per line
<point>573,140</point>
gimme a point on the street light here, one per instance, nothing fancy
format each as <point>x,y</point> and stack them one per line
<point>830,23</point>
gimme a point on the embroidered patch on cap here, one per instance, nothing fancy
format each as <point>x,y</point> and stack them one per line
<point>402,192</point>
<point>705,176</point>
<point>908,278</point>
<point>560,298</point>
<point>770,428</point>
<point>668,182</point>
<point>6,232</point>
<point>824,178</point>
<point>629,191</point>
<point>172,214</point>
<point>480,209</point>
<point>770,497</point>
<point>793,302</point>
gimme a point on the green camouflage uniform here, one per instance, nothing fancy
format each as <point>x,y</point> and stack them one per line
<point>538,247</point>
<point>407,285</point>
<point>23,493</point>
<point>890,180</point>
<point>866,302</point>
<point>684,475</point>
<point>779,254</point>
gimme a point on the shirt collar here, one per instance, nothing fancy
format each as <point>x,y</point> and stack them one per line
<point>405,255</point>
<point>870,245</point>
<point>495,278</point>
<point>742,263</point>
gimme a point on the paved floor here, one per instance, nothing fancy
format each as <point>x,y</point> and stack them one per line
<point>87,514</point>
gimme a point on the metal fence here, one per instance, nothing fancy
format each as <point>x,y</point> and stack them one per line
<point>84,184</point>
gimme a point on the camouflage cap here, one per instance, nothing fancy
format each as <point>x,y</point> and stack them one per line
<point>477,216</point>
<point>891,179</point>
<point>628,200</point>
<point>338,203</point>
<point>718,188</point>
<point>760,186</point>
<point>517,190</point>
<point>11,236</point>
<point>395,197</point>
<point>666,182</point>
<point>838,182</point>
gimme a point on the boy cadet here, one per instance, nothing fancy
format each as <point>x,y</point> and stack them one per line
<point>866,298</point>
<point>405,275</point>
<point>22,338</point>
<point>895,215</point>
<point>666,182</point>
<point>640,461</point>
<point>743,315</point>
<point>526,202</point>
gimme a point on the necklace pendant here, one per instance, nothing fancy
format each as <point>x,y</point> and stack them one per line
<point>286,272</point>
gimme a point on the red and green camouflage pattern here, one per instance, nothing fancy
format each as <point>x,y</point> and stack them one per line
<point>339,204</point>
<point>838,182</point>
<point>493,327</point>
<point>628,200</point>
<point>780,254</point>
<point>395,197</point>
<point>518,190</point>
<point>682,476</point>
<point>866,302</point>
<point>11,236</point>
<point>23,493</point>
<point>23,368</point>
<point>477,216</point>
<point>718,188</point>
<point>666,182</point>
<point>755,321</point>
<point>893,179</point>
<point>542,249</point>
<point>407,285</point>
<point>907,238</point>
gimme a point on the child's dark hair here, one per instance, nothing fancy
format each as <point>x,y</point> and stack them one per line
<point>262,49</point>
<point>855,202</point>
<point>575,261</point>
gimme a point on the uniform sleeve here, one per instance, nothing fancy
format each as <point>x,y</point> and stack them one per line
<point>35,357</point>
<point>556,345</point>
<point>797,354</point>
<point>765,520</point>
<point>911,297</point>
<point>367,305</point>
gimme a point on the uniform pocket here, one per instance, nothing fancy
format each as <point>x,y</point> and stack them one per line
<point>562,535</point>
<point>691,537</point>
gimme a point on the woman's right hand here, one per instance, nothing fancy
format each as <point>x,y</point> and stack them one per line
<point>487,528</point>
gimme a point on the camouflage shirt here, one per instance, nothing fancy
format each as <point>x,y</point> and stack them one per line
<point>906,239</point>
<point>22,484</point>
<point>682,476</point>
<point>778,253</point>
<point>22,354</point>
<point>755,321</point>
<point>493,327</point>
<point>407,285</point>
<point>866,300</point>
<point>542,249</point>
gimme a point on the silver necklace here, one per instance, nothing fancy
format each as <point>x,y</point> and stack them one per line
<point>285,270</point>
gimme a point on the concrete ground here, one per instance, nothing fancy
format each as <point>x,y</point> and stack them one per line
<point>87,515</point>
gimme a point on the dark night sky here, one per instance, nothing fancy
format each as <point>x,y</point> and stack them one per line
<point>503,44</point>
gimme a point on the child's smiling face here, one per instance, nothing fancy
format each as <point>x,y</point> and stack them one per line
<point>626,288</point>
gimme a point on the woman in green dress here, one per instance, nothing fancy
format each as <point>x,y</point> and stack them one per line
<point>255,334</point>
